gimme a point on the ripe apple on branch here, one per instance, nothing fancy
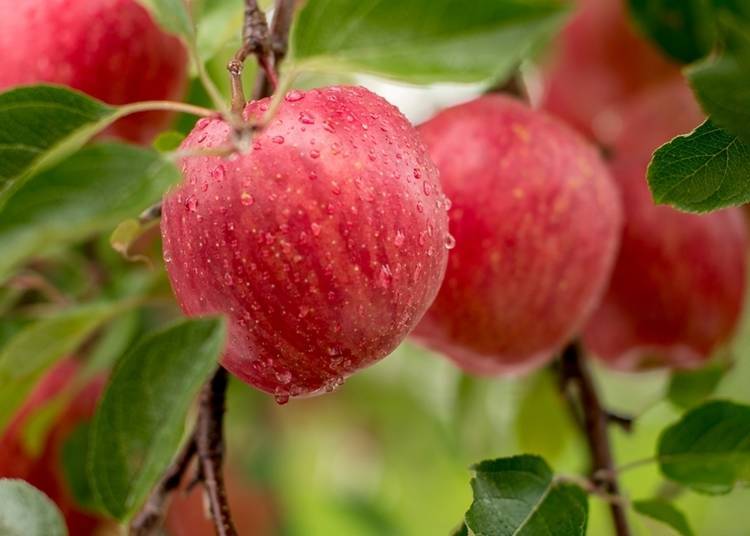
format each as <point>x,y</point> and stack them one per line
<point>564,229</point>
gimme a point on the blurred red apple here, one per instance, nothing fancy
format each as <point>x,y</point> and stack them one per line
<point>536,220</point>
<point>324,243</point>
<point>253,511</point>
<point>110,49</point>
<point>599,61</point>
<point>44,470</point>
<point>679,281</point>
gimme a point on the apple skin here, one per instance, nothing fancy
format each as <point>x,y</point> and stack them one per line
<point>110,49</point>
<point>679,281</point>
<point>324,244</point>
<point>536,218</point>
<point>253,510</point>
<point>600,61</point>
<point>45,470</point>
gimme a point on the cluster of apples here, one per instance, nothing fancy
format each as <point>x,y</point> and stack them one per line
<point>494,233</point>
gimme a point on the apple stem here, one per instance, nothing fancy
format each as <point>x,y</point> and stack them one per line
<point>266,83</point>
<point>594,418</point>
<point>256,39</point>
<point>149,519</point>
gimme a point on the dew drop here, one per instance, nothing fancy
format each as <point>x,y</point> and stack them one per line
<point>426,188</point>
<point>191,204</point>
<point>306,118</point>
<point>247,199</point>
<point>328,126</point>
<point>312,175</point>
<point>449,241</point>
<point>398,240</point>
<point>420,207</point>
<point>364,126</point>
<point>281,399</point>
<point>278,139</point>
<point>447,203</point>
<point>218,173</point>
<point>202,138</point>
<point>294,96</point>
<point>386,276</point>
<point>314,153</point>
<point>417,173</point>
<point>202,123</point>
<point>336,189</point>
<point>284,377</point>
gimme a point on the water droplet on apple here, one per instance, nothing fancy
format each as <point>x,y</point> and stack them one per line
<point>247,199</point>
<point>450,242</point>
<point>306,118</point>
<point>398,240</point>
<point>278,139</point>
<point>294,96</point>
<point>219,172</point>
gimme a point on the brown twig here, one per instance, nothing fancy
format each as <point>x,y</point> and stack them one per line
<point>150,518</point>
<point>256,40</point>
<point>210,445</point>
<point>279,40</point>
<point>595,419</point>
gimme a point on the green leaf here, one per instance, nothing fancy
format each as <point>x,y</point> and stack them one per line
<point>35,348</point>
<point>421,41</point>
<point>26,511</point>
<point>684,29</point>
<point>41,124</point>
<point>173,16</point>
<point>701,171</point>
<point>688,388</point>
<point>461,530</point>
<point>665,512</point>
<point>168,141</point>
<point>219,23</point>
<point>542,402</point>
<point>518,496</point>
<point>709,448</point>
<point>90,192</point>
<point>75,454</point>
<point>139,423</point>
<point>723,88</point>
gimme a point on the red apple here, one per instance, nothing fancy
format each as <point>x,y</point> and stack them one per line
<point>44,471</point>
<point>679,281</point>
<point>599,61</point>
<point>536,219</point>
<point>324,244</point>
<point>110,49</point>
<point>253,510</point>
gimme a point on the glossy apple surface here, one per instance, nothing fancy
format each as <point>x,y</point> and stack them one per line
<point>536,219</point>
<point>597,62</point>
<point>110,49</point>
<point>679,281</point>
<point>324,243</point>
